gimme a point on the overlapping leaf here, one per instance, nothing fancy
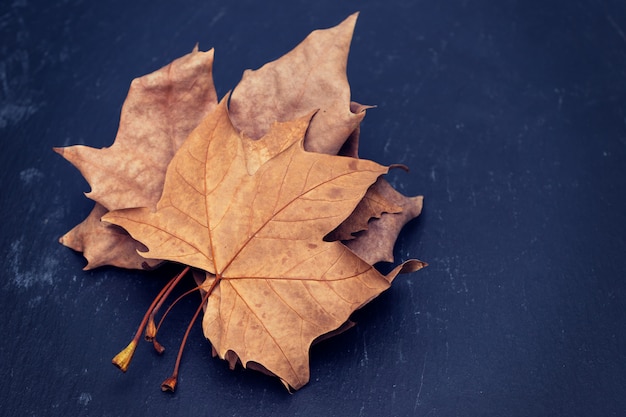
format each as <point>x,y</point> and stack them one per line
<point>216,216</point>
<point>257,199</point>
<point>313,77</point>
<point>373,205</point>
<point>161,109</point>
<point>375,242</point>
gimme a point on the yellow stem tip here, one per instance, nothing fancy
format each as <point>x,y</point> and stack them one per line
<point>122,359</point>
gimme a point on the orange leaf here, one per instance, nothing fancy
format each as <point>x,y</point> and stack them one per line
<point>260,232</point>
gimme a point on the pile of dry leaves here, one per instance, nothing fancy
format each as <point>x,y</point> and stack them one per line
<point>261,195</point>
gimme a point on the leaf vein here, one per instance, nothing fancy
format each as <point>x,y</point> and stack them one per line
<point>266,330</point>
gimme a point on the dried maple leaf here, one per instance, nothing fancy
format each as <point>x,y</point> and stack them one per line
<point>277,287</point>
<point>335,128</point>
<point>310,77</point>
<point>161,109</point>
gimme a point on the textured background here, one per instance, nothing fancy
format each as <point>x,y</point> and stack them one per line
<point>512,118</point>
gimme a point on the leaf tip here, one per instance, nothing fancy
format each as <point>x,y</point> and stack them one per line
<point>89,267</point>
<point>406,267</point>
<point>353,17</point>
<point>350,22</point>
<point>399,166</point>
<point>412,265</point>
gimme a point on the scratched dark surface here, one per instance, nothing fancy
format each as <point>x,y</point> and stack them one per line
<point>512,118</point>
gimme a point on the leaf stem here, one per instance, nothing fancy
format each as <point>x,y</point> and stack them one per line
<point>151,329</point>
<point>122,360</point>
<point>157,346</point>
<point>170,383</point>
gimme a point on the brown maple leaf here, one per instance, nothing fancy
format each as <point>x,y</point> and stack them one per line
<point>161,109</point>
<point>276,287</point>
<point>312,77</point>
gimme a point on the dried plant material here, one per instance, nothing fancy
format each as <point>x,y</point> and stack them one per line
<point>160,111</point>
<point>310,77</point>
<point>386,228</point>
<point>373,205</point>
<point>382,213</point>
<point>350,147</point>
<point>105,244</point>
<point>216,216</point>
<point>262,198</point>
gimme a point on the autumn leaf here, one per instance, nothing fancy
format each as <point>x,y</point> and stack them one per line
<point>310,77</point>
<point>246,201</point>
<point>161,109</point>
<point>237,223</point>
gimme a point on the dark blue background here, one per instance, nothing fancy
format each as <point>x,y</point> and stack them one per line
<point>512,117</point>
